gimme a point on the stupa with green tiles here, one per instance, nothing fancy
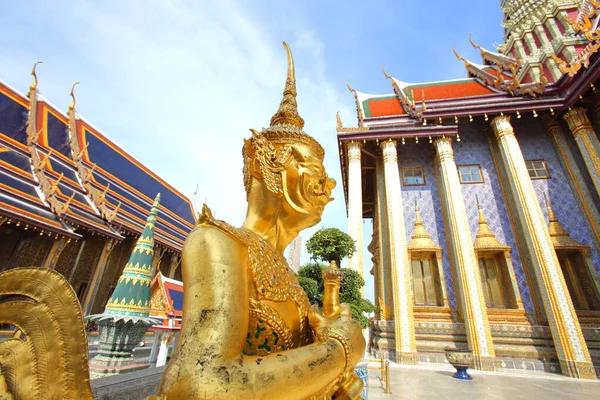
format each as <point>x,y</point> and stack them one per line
<point>126,317</point>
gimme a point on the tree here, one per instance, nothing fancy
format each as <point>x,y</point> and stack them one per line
<point>311,288</point>
<point>312,272</point>
<point>350,293</point>
<point>330,244</point>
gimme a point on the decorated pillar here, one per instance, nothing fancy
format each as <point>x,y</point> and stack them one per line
<point>464,260</point>
<point>583,192</point>
<point>96,279</point>
<point>355,212</point>
<point>404,328</point>
<point>173,265</point>
<point>587,141</point>
<point>55,251</point>
<point>163,352</point>
<point>570,346</point>
<point>385,300</point>
<point>126,317</point>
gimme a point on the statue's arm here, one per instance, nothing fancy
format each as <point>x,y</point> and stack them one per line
<point>209,358</point>
<point>215,307</point>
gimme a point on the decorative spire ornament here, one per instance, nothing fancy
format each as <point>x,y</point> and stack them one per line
<point>485,239</point>
<point>287,114</point>
<point>126,317</point>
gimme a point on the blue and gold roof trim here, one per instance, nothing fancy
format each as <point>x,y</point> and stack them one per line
<point>59,175</point>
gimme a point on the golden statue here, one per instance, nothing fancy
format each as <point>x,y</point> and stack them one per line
<point>248,329</point>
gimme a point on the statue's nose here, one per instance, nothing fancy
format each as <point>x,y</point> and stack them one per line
<point>330,183</point>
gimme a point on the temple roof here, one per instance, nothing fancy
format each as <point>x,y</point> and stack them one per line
<point>86,179</point>
<point>20,199</point>
<point>166,302</point>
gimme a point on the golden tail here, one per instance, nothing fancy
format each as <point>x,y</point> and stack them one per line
<point>47,358</point>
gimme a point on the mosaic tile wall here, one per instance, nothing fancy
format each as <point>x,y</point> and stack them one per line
<point>427,197</point>
<point>570,139</point>
<point>474,149</point>
<point>538,146</point>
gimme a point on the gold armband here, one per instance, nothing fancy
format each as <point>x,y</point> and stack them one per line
<point>326,333</point>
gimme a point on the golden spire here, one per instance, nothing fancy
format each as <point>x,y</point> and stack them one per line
<point>485,238</point>
<point>287,114</point>
<point>420,239</point>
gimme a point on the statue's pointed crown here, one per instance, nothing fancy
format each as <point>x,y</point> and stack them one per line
<point>287,114</point>
<point>286,124</point>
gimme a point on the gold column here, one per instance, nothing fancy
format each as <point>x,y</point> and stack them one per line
<point>174,264</point>
<point>463,256</point>
<point>373,248</point>
<point>57,248</point>
<point>385,300</point>
<point>157,259</point>
<point>587,141</point>
<point>570,346</point>
<point>575,179</point>
<point>92,290</point>
<point>355,212</point>
<point>404,328</point>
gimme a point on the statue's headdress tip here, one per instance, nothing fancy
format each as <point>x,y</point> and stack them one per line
<point>287,114</point>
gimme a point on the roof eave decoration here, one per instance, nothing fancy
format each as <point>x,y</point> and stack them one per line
<point>48,188</point>
<point>85,175</point>
<point>475,71</point>
<point>583,26</point>
<point>503,65</point>
<point>503,61</point>
<point>340,126</point>
<point>359,110</point>
<point>408,103</point>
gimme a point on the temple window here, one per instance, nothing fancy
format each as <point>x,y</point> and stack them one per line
<point>424,271</point>
<point>498,280</point>
<point>413,176</point>
<point>427,277</point>
<point>492,281</point>
<point>570,265</point>
<point>470,174</point>
<point>537,169</point>
<point>577,268</point>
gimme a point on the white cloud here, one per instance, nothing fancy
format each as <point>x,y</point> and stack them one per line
<point>178,85</point>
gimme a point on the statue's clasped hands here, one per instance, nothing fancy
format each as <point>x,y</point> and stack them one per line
<point>340,326</point>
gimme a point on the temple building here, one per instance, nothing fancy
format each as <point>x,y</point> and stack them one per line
<point>74,201</point>
<point>484,193</point>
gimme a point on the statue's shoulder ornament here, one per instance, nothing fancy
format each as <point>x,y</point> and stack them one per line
<point>206,218</point>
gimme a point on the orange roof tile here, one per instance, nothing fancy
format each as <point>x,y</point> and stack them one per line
<point>449,90</point>
<point>383,107</point>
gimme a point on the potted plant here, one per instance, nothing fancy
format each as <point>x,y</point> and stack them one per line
<point>461,359</point>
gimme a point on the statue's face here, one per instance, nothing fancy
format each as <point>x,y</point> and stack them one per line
<point>306,186</point>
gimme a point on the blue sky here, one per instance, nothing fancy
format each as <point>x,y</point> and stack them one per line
<point>178,84</point>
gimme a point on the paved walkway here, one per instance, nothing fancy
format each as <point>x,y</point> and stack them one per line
<point>435,382</point>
